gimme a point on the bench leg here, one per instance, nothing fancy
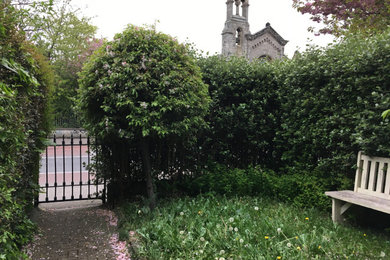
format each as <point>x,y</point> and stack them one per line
<point>338,209</point>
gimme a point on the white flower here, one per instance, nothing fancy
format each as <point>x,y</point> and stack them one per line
<point>383,254</point>
<point>221,258</point>
<point>181,232</point>
<point>144,105</point>
<point>182,213</point>
<point>201,251</point>
<point>202,239</point>
<point>222,252</point>
<point>139,211</point>
<point>230,228</point>
<point>288,244</point>
<point>231,219</point>
<point>279,230</point>
<point>235,229</point>
<point>256,208</point>
<point>241,240</point>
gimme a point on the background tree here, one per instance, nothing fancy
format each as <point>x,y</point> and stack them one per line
<point>66,38</point>
<point>142,93</point>
<point>343,16</point>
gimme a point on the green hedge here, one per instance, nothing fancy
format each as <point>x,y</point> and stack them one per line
<point>24,86</point>
<point>243,115</point>
<point>300,188</point>
<point>304,118</point>
<point>331,105</point>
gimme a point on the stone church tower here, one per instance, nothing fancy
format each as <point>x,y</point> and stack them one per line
<point>237,40</point>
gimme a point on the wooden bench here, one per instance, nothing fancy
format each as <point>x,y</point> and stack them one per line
<point>372,187</point>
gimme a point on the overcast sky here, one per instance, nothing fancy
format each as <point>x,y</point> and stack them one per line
<point>200,21</point>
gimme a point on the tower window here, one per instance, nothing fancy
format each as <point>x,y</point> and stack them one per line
<point>238,36</point>
<point>238,3</point>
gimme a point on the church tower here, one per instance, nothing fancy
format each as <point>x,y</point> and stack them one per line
<point>236,27</point>
<point>237,40</point>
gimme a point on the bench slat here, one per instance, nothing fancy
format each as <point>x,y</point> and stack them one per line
<point>358,176</point>
<point>372,174</point>
<point>364,175</point>
<point>379,181</point>
<point>387,184</point>
<point>360,199</point>
<point>373,193</point>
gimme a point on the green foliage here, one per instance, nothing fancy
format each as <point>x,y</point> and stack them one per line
<point>214,227</point>
<point>24,87</point>
<point>143,92</point>
<point>243,112</point>
<point>331,102</point>
<point>297,187</point>
<point>142,83</point>
<point>65,37</point>
<point>305,118</point>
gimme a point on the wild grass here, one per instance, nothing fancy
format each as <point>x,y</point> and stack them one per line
<point>209,227</point>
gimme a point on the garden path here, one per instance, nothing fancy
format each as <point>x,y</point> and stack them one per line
<point>76,230</point>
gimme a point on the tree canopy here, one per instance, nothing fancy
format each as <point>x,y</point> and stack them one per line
<point>143,87</point>
<point>342,16</point>
<point>66,38</point>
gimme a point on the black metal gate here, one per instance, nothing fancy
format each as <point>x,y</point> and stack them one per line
<point>64,172</point>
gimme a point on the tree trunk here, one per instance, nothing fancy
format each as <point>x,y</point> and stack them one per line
<point>147,168</point>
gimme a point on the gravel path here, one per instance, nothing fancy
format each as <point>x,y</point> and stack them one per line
<point>76,230</point>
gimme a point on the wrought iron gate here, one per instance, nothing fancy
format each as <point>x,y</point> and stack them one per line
<point>64,172</point>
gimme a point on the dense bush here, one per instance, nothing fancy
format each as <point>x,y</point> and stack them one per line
<point>305,118</point>
<point>143,96</point>
<point>300,188</point>
<point>331,102</point>
<point>24,85</point>
<point>243,113</point>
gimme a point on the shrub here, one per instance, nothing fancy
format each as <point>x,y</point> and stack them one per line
<point>24,87</point>
<point>143,96</point>
<point>305,118</point>
<point>300,188</point>
<point>243,112</point>
<point>331,101</point>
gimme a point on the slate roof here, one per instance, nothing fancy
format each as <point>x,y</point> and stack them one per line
<point>270,30</point>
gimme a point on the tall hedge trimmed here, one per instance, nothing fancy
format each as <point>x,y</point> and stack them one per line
<point>331,104</point>
<point>243,114</point>
<point>305,118</point>
<point>25,80</point>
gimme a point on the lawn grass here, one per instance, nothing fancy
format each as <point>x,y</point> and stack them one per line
<point>209,227</point>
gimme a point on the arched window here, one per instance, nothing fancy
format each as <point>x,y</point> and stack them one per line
<point>238,36</point>
<point>264,58</point>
